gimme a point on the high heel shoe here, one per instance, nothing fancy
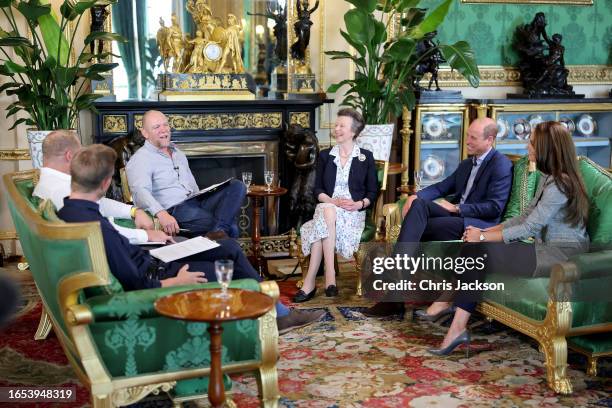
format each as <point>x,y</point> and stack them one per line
<point>463,338</point>
<point>301,296</point>
<point>422,314</point>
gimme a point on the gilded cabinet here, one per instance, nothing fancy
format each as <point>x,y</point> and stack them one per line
<point>439,130</point>
<point>588,120</point>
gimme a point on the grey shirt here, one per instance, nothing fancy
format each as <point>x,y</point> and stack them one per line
<point>158,181</point>
<point>544,219</point>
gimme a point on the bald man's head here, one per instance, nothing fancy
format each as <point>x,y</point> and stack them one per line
<point>481,136</point>
<point>155,129</point>
<point>58,148</point>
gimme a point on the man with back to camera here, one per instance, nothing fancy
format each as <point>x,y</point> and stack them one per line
<point>480,188</point>
<point>58,148</point>
<point>161,182</point>
<point>92,170</point>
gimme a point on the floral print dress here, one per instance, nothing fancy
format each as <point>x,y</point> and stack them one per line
<point>349,224</point>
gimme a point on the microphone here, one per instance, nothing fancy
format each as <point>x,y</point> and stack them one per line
<point>176,167</point>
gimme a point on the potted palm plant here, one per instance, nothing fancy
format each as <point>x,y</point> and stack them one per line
<point>50,78</point>
<point>386,67</point>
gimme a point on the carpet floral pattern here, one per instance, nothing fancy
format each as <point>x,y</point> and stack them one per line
<point>347,360</point>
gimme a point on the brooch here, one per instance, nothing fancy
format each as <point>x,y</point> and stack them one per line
<point>362,157</point>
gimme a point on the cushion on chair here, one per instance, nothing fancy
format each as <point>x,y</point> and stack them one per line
<point>594,343</point>
<point>26,188</point>
<point>48,212</point>
<point>599,189</point>
<point>524,185</point>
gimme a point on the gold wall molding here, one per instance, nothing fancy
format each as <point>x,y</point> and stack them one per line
<point>300,118</point>
<point>211,121</point>
<point>6,235</point>
<point>510,76</point>
<point>15,154</point>
<point>114,123</point>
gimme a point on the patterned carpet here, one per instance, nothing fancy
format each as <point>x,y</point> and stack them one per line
<point>347,360</point>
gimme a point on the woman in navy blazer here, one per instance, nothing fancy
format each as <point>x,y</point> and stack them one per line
<point>345,186</point>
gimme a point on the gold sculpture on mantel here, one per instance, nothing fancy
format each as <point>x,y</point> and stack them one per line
<point>210,65</point>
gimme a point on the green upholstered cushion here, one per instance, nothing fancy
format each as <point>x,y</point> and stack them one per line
<point>598,184</point>
<point>594,343</point>
<point>524,184</point>
<point>369,231</point>
<point>133,339</point>
<point>26,188</point>
<point>47,211</point>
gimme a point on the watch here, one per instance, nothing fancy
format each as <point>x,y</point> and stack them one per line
<point>133,211</point>
<point>458,209</point>
<point>482,237</point>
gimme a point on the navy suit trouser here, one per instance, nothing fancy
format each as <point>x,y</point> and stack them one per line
<point>427,221</point>
<point>217,211</point>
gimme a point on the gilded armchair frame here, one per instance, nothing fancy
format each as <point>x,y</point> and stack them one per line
<point>78,344</point>
<point>552,331</point>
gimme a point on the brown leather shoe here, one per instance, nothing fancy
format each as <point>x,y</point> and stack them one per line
<point>215,235</point>
<point>384,309</point>
<point>298,318</point>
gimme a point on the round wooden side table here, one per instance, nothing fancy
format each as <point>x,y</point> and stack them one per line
<point>258,193</point>
<point>205,305</point>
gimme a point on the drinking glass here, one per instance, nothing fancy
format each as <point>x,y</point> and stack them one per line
<point>247,178</point>
<point>224,269</point>
<point>269,178</point>
<point>418,177</point>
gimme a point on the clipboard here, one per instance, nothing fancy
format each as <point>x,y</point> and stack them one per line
<point>209,189</point>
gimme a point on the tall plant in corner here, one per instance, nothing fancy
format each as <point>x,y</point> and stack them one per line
<point>50,86</point>
<point>386,67</point>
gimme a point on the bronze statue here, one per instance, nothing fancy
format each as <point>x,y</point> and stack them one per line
<point>302,29</point>
<point>541,61</point>
<point>280,29</point>
<point>302,149</point>
<point>125,147</point>
<point>431,61</point>
<point>99,14</point>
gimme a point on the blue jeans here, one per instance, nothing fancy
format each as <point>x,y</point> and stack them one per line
<point>215,211</point>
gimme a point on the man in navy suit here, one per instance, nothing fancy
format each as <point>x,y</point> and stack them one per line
<point>478,191</point>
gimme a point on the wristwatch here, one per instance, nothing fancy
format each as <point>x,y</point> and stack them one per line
<point>133,211</point>
<point>458,209</point>
<point>482,237</point>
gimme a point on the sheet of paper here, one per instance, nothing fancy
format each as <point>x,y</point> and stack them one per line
<point>183,249</point>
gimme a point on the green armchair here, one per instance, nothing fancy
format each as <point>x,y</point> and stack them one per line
<point>119,346</point>
<point>547,309</point>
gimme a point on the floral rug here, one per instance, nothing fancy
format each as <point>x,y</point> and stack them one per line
<point>347,360</point>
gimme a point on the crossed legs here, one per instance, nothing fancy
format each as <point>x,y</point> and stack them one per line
<point>323,249</point>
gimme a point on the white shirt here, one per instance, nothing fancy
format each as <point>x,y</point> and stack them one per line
<point>55,185</point>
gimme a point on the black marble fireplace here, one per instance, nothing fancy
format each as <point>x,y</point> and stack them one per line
<point>222,139</point>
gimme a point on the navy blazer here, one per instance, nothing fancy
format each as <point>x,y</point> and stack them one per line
<point>487,199</point>
<point>362,182</point>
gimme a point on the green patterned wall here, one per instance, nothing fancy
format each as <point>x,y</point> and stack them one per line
<point>586,30</point>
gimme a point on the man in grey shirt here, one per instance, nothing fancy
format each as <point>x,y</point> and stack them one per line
<point>160,181</point>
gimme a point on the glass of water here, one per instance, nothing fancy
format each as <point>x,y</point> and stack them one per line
<point>224,269</point>
<point>247,178</point>
<point>418,177</point>
<point>269,178</point>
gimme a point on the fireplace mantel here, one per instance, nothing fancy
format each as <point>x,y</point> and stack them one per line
<point>215,122</point>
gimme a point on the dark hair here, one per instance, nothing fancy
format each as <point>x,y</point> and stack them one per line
<point>90,166</point>
<point>358,122</point>
<point>556,156</point>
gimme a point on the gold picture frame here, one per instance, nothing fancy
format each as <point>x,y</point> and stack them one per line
<point>558,2</point>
